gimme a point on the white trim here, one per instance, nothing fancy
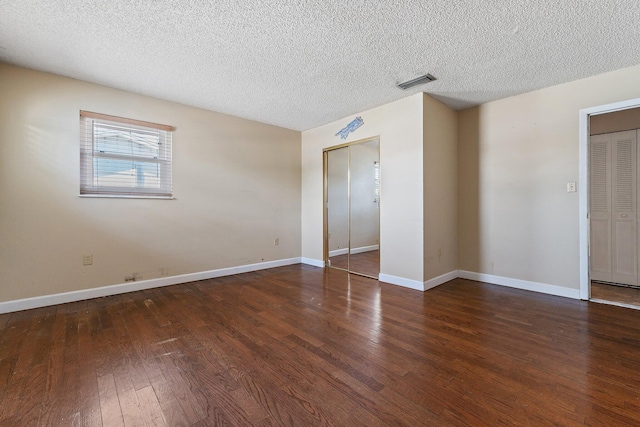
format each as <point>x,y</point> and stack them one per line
<point>583,205</point>
<point>619,304</point>
<point>313,262</point>
<point>401,281</point>
<point>62,298</point>
<point>365,249</point>
<point>338,252</point>
<point>583,177</point>
<point>444,278</point>
<point>123,196</point>
<point>359,250</point>
<point>544,288</point>
<point>66,297</point>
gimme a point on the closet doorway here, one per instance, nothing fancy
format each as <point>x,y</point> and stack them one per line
<point>614,162</point>
<point>352,207</point>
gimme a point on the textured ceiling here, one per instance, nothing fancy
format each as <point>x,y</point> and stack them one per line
<point>300,64</point>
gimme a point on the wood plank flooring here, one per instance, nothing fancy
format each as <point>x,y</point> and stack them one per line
<point>367,263</point>
<point>613,293</point>
<point>305,346</point>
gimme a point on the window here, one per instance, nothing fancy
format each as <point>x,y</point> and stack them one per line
<point>124,157</point>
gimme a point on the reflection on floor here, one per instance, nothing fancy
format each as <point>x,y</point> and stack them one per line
<point>617,294</point>
<point>364,263</point>
<point>306,346</point>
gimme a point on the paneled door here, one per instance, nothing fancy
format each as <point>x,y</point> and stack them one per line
<point>613,207</point>
<point>600,207</point>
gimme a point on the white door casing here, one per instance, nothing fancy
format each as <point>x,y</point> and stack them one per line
<point>583,183</point>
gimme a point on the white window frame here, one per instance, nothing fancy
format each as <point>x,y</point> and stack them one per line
<point>91,187</point>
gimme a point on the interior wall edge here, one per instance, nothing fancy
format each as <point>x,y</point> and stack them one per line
<point>443,278</point>
<point>312,262</point>
<point>122,288</point>
<point>401,281</point>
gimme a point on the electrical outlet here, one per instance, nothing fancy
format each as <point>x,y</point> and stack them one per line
<point>439,252</point>
<point>276,241</point>
<point>571,187</point>
<point>87,259</point>
<point>164,272</point>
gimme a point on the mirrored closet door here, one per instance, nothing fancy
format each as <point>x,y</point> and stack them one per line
<point>352,207</point>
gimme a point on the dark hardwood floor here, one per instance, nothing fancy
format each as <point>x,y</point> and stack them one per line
<point>306,346</point>
<point>367,263</point>
<point>616,294</point>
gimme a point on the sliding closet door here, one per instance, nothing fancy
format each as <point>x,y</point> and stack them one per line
<point>337,208</point>
<point>352,207</point>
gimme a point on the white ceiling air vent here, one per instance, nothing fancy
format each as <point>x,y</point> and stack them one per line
<point>417,81</point>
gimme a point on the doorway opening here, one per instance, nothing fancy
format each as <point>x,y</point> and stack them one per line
<point>609,217</point>
<point>352,207</point>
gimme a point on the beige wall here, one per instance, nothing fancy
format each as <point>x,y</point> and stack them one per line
<point>440,188</point>
<point>515,157</point>
<point>237,187</point>
<point>236,183</point>
<point>615,122</point>
<point>399,125</point>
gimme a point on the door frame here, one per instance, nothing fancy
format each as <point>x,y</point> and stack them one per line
<point>583,183</point>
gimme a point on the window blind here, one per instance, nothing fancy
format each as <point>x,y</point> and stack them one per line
<point>124,157</point>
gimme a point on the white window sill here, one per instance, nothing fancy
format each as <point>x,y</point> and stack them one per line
<point>118,196</point>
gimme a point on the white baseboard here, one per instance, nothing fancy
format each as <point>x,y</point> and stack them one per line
<point>365,249</point>
<point>338,252</point>
<point>313,262</point>
<point>416,284</point>
<point>436,281</point>
<point>544,288</point>
<point>401,281</point>
<point>344,251</point>
<point>62,298</point>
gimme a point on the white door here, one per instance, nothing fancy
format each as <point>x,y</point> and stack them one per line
<point>600,206</point>
<point>624,195</point>
<point>613,213</point>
